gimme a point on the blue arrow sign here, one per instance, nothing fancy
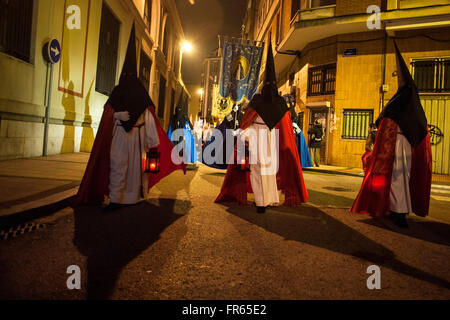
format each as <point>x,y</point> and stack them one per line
<point>54,51</point>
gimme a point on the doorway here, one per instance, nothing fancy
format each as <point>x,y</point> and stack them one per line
<point>321,114</point>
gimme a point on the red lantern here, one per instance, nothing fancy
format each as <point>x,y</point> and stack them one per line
<point>152,161</point>
<point>244,162</point>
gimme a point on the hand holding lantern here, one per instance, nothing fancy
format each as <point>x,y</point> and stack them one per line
<point>152,161</point>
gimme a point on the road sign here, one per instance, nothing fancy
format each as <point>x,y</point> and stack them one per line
<point>350,52</point>
<point>52,50</point>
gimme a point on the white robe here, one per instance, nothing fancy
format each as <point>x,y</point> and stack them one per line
<point>262,178</point>
<point>400,198</point>
<point>128,183</point>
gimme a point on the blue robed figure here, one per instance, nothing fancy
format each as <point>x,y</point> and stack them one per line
<point>302,147</point>
<point>181,121</point>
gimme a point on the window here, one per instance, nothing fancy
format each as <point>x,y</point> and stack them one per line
<point>16,17</point>
<point>162,96</point>
<point>355,123</point>
<point>107,52</point>
<point>295,6</point>
<point>322,80</point>
<point>148,13</point>
<point>145,66</point>
<point>166,39</point>
<point>432,75</point>
<point>322,3</point>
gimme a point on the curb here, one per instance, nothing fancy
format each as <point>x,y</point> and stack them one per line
<point>32,210</point>
<point>433,185</point>
<point>333,172</point>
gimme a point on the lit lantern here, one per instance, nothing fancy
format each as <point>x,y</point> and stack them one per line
<point>244,162</point>
<point>152,161</point>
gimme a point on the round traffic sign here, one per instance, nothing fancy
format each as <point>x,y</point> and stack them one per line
<point>53,51</point>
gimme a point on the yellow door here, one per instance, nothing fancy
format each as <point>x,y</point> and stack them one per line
<point>437,110</point>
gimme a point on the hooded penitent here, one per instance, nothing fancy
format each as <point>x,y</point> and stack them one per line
<point>180,120</point>
<point>302,147</point>
<point>405,107</point>
<point>403,111</point>
<point>269,105</point>
<point>272,108</point>
<point>129,95</point>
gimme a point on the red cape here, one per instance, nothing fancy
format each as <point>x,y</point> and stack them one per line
<point>95,184</point>
<point>289,176</point>
<point>373,198</point>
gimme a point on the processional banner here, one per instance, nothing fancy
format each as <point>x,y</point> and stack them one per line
<point>241,63</point>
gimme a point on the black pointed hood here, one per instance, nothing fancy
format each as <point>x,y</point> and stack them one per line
<point>405,107</point>
<point>130,64</point>
<point>130,95</point>
<point>269,105</point>
<point>178,120</point>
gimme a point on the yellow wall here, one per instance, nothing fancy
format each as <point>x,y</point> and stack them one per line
<point>76,107</point>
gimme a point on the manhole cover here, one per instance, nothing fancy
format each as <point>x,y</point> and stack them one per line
<point>337,189</point>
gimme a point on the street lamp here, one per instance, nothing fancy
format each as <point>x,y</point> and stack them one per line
<point>185,46</point>
<point>200,92</point>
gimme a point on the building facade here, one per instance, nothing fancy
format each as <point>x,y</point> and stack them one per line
<point>337,57</point>
<point>93,35</point>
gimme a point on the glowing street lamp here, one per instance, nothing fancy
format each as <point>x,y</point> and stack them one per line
<point>200,92</point>
<point>185,46</point>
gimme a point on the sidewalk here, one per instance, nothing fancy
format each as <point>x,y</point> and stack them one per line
<point>35,187</point>
<point>438,181</point>
<point>33,183</point>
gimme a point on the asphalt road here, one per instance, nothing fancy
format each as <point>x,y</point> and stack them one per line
<point>180,245</point>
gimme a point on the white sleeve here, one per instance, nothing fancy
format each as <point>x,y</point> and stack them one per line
<point>151,133</point>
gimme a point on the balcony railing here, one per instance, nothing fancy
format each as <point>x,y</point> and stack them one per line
<point>316,9</point>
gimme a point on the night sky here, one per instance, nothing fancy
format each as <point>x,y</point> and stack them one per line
<point>202,22</point>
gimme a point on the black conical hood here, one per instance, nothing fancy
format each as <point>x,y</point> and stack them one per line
<point>130,95</point>
<point>404,77</point>
<point>130,64</point>
<point>179,118</point>
<point>270,76</point>
<point>270,106</point>
<point>405,107</point>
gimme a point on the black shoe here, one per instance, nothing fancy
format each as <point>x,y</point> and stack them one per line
<point>399,219</point>
<point>111,207</point>
<point>261,209</point>
<point>393,216</point>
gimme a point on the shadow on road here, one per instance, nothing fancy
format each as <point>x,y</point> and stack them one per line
<point>426,230</point>
<point>310,225</point>
<point>111,240</point>
<point>325,199</point>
